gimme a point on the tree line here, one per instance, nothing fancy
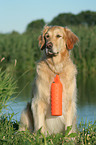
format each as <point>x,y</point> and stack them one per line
<point>85,18</point>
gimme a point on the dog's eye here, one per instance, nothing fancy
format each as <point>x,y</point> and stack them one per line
<point>47,36</point>
<point>58,36</point>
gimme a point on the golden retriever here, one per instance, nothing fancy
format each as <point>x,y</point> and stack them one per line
<point>56,42</point>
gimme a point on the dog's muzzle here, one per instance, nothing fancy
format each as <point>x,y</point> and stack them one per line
<point>49,50</point>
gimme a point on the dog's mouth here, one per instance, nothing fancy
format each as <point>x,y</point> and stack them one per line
<point>49,52</point>
<point>49,49</point>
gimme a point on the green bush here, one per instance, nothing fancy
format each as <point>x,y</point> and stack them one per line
<point>35,25</point>
<point>86,18</point>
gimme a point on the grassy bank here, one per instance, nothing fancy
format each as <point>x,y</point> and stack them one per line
<point>86,134</point>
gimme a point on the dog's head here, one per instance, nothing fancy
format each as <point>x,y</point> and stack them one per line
<point>56,39</point>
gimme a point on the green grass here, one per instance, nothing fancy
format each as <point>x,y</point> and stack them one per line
<point>84,54</point>
<point>7,89</point>
<point>9,135</point>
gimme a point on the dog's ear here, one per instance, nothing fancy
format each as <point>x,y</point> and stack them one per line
<point>71,38</point>
<point>42,37</point>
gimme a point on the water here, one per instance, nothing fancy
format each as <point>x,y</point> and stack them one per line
<point>86,99</point>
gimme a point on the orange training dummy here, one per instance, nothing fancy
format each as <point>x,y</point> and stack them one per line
<point>56,97</point>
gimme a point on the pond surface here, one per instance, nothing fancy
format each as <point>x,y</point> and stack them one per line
<point>86,99</point>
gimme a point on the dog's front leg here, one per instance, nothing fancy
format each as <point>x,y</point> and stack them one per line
<point>38,109</point>
<point>70,94</point>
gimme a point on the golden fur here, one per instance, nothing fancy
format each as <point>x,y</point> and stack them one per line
<point>55,61</point>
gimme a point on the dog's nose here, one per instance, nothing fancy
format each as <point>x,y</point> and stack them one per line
<point>49,45</point>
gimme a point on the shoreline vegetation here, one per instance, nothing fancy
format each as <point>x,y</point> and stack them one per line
<point>19,54</point>
<point>21,51</point>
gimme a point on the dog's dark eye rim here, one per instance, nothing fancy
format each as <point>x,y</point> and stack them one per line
<point>58,36</point>
<point>47,35</point>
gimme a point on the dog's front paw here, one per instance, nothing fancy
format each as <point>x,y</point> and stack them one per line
<point>42,130</point>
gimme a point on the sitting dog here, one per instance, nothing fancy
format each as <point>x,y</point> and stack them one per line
<point>56,42</point>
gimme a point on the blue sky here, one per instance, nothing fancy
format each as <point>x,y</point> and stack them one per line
<point>16,14</point>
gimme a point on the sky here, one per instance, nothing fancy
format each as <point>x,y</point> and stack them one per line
<point>15,15</point>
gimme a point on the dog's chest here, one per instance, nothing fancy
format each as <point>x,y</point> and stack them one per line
<point>54,124</point>
<point>46,86</point>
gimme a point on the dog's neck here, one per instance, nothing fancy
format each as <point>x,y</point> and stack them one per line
<point>57,63</point>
